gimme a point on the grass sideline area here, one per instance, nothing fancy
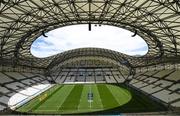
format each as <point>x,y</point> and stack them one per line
<point>107,98</point>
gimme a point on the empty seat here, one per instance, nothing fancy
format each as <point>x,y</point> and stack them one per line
<point>115,72</point>
<point>15,75</point>
<point>138,74</point>
<point>2,107</point>
<point>163,73</point>
<point>150,80</point>
<point>110,79</point>
<point>60,79</point>
<point>100,79</point>
<point>163,83</point>
<point>28,74</point>
<point>106,70</point>
<point>15,85</point>
<point>4,99</point>
<point>70,79</point>
<point>4,90</point>
<point>90,79</point>
<point>174,87</point>
<point>140,84</point>
<point>65,70</point>
<point>41,76</point>
<point>38,79</point>
<point>174,76</point>
<point>176,104</point>
<point>4,78</point>
<point>160,88</point>
<point>45,82</point>
<point>63,73</point>
<point>142,77</point>
<point>119,78</point>
<point>12,93</point>
<point>134,81</point>
<point>150,73</point>
<point>73,70</point>
<point>80,78</point>
<point>150,89</point>
<point>28,81</point>
<point>165,96</point>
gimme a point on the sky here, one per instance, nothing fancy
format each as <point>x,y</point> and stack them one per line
<point>78,36</point>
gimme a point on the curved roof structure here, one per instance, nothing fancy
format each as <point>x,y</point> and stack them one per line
<point>22,21</point>
<point>155,74</point>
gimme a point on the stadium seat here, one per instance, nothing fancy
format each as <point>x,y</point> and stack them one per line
<point>4,99</point>
<point>15,85</point>
<point>4,78</point>
<point>2,107</point>
<point>110,79</point>
<point>60,79</point>
<point>163,83</point>
<point>4,90</point>
<point>150,89</point>
<point>165,96</point>
<point>174,76</point>
<point>119,78</point>
<point>15,75</point>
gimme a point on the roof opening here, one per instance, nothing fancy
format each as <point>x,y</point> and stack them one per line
<point>78,36</point>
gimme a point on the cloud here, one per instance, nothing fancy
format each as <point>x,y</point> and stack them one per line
<point>78,36</point>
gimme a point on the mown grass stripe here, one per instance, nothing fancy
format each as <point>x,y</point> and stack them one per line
<point>84,105</point>
<point>97,99</point>
<point>56,100</point>
<point>49,96</point>
<point>106,97</point>
<point>73,99</point>
<point>64,94</point>
<point>119,94</point>
<point>26,107</point>
<point>67,100</point>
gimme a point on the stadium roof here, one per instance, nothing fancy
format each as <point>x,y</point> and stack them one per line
<point>156,21</point>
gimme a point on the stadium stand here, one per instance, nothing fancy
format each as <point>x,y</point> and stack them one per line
<point>28,74</point>
<point>174,76</point>
<point>10,85</point>
<point>70,78</point>
<point>4,99</point>
<point>15,75</point>
<point>159,85</point>
<point>157,22</point>
<point>4,90</point>
<point>90,78</point>
<point>2,107</point>
<point>4,78</point>
<point>60,79</point>
<point>109,79</point>
<point>90,75</point>
<point>80,78</point>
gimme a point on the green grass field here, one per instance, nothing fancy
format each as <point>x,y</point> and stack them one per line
<point>68,99</point>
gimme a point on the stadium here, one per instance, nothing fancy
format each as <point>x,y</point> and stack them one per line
<point>90,80</point>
